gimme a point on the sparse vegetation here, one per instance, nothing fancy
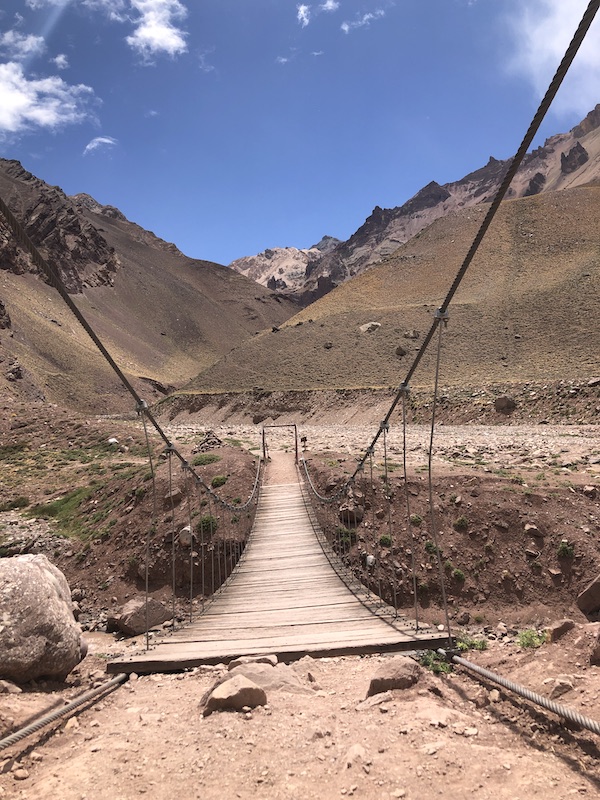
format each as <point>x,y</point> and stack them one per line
<point>531,639</point>
<point>218,480</point>
<point>202,459</point>
<point>207,524</point>
<point>11,505</point>
<point>416,520</point>
<point>461,524</point>
<point>565,550</point>
<point>385,540</point>
<point>465,643</point>
<point>435,662</point>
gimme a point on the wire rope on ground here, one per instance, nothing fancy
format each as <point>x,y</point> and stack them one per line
<point>562,711</point>
<point>40,723</point>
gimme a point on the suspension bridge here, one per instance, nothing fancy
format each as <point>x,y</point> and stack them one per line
<point>288,592</point>
<point>285,596</point>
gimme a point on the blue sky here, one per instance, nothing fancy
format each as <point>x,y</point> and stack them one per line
<point>229,126</point>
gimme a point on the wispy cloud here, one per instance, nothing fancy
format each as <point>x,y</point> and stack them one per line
<point>61,61</point>
<point>317,53</point>
<point>303,14</point>
<point>362,21</point>
<point>329,5</point>
<point>19,47</point>
<point>99,141</point>
<point>541,31</point>
<point>281,60</point>
<point>48,103</point>
<point>205,64</point>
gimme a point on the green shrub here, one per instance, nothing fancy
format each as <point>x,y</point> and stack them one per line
<point>436,663</point>
<point>415,519</point>
<point>458,575</point>
<point>385,540</point>
<point>464,643</point>
<point>531,639</point>
<point>207,524</point>
<point>565,550</point>
<point>431,548</point>
<point>202,459</point>
<point>460,524</point>
<point>218,480</point>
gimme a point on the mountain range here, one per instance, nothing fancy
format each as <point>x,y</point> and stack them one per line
<point>527,310</point>
<point>565,161</point>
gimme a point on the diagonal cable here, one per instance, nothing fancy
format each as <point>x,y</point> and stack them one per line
<point>553,88</point>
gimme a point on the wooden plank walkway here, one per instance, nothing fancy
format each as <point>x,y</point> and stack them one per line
<point>283,597</point>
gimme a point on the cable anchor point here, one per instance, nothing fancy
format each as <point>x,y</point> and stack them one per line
<point>444,316</point>
<point>384,425</point>
<point>141,407</point>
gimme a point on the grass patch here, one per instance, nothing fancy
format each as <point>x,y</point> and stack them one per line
<point>530,639</point>
<point>65,512</point>
<point>18,502</point>
<point>218,480</point>
<point>385,540</point>
<point>464,643</point>
<point>202,459</point>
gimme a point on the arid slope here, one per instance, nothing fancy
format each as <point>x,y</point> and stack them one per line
<point>163,316</point>
<point>527,309</point>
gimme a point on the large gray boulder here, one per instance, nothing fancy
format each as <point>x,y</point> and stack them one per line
<point>132,619</point>
<point>39,636</point>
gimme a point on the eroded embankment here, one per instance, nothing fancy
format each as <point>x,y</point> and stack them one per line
<point>572,402</point>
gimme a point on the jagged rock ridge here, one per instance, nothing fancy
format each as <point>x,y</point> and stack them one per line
<point>566,160</point>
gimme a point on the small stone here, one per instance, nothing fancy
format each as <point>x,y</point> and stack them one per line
<point>355,755</point>
<point>468,732</point>
<point>494,696</point>
<point>20,774</point>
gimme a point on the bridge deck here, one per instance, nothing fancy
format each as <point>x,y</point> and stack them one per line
<point>283,598</point>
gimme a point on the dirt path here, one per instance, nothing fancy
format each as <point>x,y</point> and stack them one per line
<point>149,739</point>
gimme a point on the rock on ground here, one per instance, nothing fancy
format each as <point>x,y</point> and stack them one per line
<point>39,636</point>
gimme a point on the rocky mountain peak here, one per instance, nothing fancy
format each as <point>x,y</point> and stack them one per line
<point>86,201</point>
<point>590,123</point>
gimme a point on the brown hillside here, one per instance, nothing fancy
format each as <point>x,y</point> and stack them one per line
<point>527,309</point>
<point>162,316</point>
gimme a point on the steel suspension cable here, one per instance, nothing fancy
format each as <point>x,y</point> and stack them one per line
<point>409,525</point>
<point>151,529</point>
<point>432,516</point>
<point>511,171</point>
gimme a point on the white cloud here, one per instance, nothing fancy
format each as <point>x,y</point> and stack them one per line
<point>39,103</point>
<point>366,19</point>
<point>156,22</point>
<point>156,31</point>
<point>18,46</point>
<point>329,5</point>
<point>61,61</point>
<point>281,60</point>
<point>303,14</point>
<point>99,141</point>
<point>541,33</point>
<point>317,53</point>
